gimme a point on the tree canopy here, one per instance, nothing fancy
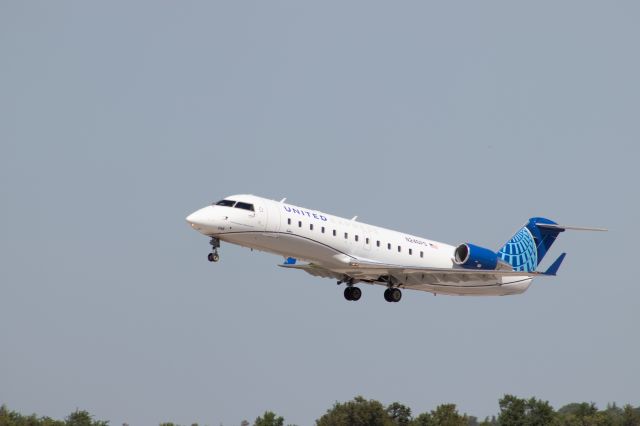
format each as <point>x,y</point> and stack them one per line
<point>514,411</point>
<point>269,418</point>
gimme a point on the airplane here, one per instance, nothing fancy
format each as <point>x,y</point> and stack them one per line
<point>353,252</point>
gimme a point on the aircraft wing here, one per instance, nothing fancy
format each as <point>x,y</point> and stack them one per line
<point>490,274</point>
<point>367,271</point>
<point>422,275</point>
<point>315,270</point>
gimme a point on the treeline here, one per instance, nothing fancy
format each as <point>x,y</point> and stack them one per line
<point>359,411</point>
<point>514,411</point>
<point>77,418</point>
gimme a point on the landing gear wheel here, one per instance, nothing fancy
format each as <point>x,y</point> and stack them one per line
<point>356,293</point>
<point>395,295</point>
<point>213,256</point>
<point>386,295</point>
<point>352,293</point>
<point>392,295</point>
<point>347,293</point>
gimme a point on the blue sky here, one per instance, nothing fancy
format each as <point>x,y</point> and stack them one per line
<point>455,121</point>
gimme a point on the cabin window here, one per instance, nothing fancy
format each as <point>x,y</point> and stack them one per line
<point>421,254</point>
<point>244,206</point>
<point>289,221</point>
<point>388,246</point>
<point>378,243</point>
<point>410,252</point>
<point>356,238</point>
<point>225,203</point>
<point>299,224</point>
<point>366,240</point>
<point>322,229</point>
<point>346,235</point>
<point>311,227</point>
<point>334,232</point>
<point>399,249</point>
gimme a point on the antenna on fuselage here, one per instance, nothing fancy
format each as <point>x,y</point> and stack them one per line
<point>354,218</point>
<point>283,200</point>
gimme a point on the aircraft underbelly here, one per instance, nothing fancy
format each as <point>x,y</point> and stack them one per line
<point>282,244</point>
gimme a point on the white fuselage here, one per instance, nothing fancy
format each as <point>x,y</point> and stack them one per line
<point>336,243</point>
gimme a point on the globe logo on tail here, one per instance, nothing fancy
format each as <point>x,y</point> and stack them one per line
<point>520,251</point>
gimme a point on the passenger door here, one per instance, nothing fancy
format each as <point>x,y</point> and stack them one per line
<point>251,215</point>
<point>273,218</point>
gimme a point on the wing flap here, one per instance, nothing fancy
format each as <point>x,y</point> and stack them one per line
<point>411,275</point>
<point>472,273</point>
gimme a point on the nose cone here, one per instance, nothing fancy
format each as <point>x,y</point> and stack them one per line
<point>192,218</point>
<point>200,219</point>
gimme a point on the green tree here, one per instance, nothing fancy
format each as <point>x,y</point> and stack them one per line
<point>83,418</point>
<point>525,412</point>
<point>492,421</point>
<point>538,412</point>
<point>13,418</point>
<point>630,416</point>
<point>48,421</point>
<point>400,414</point>
<point>269,418</point>
<point>443,415</point>
<point>357,412</point>
<point>423,419</point>
<point>447,415</point>
<point>512,411</point>
<point>579,409</point>
<point>583,414</point>
<point>613,414</point>
<point>586,410</point>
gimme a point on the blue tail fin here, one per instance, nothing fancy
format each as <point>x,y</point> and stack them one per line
<point>526,249</point>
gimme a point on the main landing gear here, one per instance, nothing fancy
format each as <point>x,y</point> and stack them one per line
<point>215,244</point>
<point>392,295</point>
<point>352,293</point>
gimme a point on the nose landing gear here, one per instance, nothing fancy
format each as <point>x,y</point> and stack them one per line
<point>215,244</point>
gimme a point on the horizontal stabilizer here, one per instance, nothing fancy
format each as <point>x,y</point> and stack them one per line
<point>563,227</point>
<point>553,269</point>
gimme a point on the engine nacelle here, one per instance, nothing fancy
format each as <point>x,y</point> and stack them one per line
<point>471,256</point>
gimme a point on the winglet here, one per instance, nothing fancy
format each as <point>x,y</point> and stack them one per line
<point>553,269</point>
<point>290,261</point>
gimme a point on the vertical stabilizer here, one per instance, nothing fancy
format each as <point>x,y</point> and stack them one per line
<point>526,249</point>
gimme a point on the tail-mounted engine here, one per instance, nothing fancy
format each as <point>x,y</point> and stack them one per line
<point>471,256</point>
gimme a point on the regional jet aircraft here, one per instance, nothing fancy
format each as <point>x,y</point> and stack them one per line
<point>353,252</point>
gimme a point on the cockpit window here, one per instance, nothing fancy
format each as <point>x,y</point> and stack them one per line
<point>244,206</point>
<point>225,203</point>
